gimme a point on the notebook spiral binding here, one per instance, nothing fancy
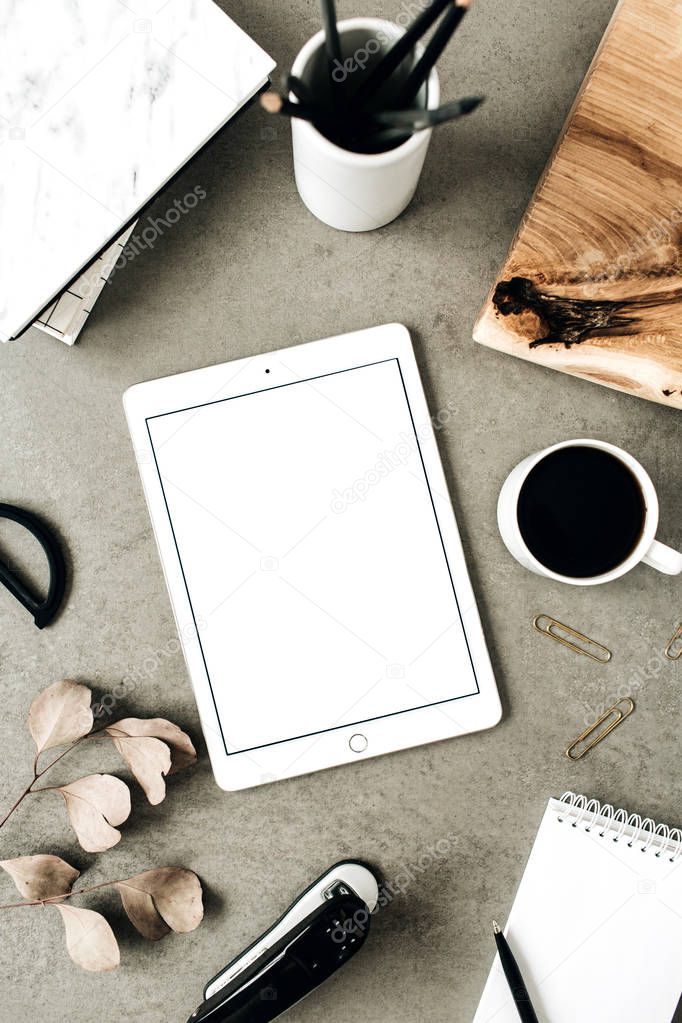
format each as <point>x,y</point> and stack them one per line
<point>620,824</point>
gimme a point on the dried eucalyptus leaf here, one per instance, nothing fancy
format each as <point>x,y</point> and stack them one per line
<point>183,753</point>
<point>89,939</point>
<point>142,912</point>
<point>94,803</point>
<point>40,877</point>
<point>60,714</point>
<point>147,757</point>
<point>176,894</point>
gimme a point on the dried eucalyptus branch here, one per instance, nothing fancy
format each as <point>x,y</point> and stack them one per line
<point>96,804</point>
<point>53,898</point>
<point>156,901</point>
<point>29,790</point>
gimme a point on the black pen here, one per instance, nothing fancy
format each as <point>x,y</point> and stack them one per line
<point>517,987</point>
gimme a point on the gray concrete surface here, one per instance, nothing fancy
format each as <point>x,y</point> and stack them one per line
<point>249,270</point>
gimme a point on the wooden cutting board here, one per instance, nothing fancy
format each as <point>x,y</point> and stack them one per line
<point>592,284</point>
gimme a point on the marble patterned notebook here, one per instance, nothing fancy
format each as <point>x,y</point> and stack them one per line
<point>101,103</point>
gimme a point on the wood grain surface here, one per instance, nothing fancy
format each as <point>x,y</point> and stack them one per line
<point>592,284</point>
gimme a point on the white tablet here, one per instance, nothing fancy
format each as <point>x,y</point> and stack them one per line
<point>312,556</point>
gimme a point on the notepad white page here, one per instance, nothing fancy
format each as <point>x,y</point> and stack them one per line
<point>596,927</point>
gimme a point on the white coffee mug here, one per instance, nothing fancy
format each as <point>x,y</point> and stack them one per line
<point>356,191</point>
<point>648,549</point>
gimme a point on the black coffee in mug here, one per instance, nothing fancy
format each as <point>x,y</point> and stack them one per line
<point>581,511</point>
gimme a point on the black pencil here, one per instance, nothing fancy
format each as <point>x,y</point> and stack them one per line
<point>370,131</point>
<point>517,987</point>
<point>415,119</point>
<point>299,88</point>
<point>276,104</point>
<point>331,31</point>
<point>336,127</point>
<point>382,140</point>
<point>382,71</point>
<point>418,119</point>
<point>332,45</point>
<point>440,39</point>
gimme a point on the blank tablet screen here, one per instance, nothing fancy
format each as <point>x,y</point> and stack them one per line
<point>312,555</point>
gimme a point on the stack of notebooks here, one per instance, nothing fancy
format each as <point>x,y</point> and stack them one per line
<point>101,107</point>
<point>66,316</point>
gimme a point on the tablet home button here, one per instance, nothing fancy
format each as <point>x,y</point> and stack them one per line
<point>358,743</point>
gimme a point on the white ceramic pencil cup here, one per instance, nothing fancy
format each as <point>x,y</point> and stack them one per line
<point>346,190</point>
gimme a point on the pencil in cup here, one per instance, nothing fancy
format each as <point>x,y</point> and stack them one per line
<point>332,44</point>
<point>401,49</point>
<point>433,51</point>
<point>388,127</point>
<point>348,186</point>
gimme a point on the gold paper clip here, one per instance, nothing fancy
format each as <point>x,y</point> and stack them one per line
<point>673,651</point>
<point>619,712</point>
<point>550,627</point>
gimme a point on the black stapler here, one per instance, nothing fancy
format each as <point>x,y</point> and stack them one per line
<point>324,928</point>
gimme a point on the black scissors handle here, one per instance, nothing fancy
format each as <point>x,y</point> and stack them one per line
<point>43,611</point>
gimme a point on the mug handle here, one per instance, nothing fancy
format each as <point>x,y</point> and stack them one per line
<point>664,558</point>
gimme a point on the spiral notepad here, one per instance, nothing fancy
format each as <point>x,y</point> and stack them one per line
<point>596,927</point>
